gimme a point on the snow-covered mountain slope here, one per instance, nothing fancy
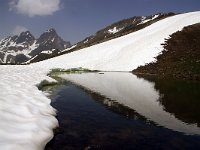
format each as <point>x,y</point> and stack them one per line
<point>121,28</point>
<point>19,49</point>
<point>26,116</point>
<point>12,48</point>
<point>127,52</point>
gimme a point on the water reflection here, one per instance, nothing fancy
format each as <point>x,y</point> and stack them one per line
<point>155,100</point>
<point>114,106</point>
<point>180,98</point>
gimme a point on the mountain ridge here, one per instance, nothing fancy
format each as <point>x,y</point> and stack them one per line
<point>18,49</point>
<point>122,27</point>
<point>115,30</point>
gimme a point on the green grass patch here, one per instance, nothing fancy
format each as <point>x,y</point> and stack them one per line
<point>45,84</point>
<point>58,71</point>
<point>54,73</point>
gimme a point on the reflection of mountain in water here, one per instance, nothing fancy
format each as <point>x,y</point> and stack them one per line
<point>180,98</point>
<point>137,94</point>
<point>114,106</point>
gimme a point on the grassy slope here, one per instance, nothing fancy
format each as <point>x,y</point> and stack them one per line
<point>181,58</point>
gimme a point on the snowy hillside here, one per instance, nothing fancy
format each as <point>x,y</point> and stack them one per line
<point>121,28</point>
<point>27,118</point>
<point>127,52</point>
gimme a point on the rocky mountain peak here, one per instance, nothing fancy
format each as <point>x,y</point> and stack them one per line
<point>25,37</point>
<point>21,48</point>
<point>50,40</point>
<point>51,30</point>
<point>49,35</point>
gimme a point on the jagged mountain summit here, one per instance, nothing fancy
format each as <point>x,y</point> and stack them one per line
<point>24,47</point>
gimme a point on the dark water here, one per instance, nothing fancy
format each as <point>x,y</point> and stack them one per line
<point>94,121</point>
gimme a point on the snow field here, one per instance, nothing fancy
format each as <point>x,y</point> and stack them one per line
<point>127,52</point>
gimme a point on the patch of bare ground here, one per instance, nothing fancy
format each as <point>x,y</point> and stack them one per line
<point>180,58</point>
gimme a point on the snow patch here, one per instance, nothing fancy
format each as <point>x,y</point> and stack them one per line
<point>155,16</point>
<point>114,30</point>
<point>67,49</point>
<point>86,41</point>
<point>144,20</point>
<point>53,40</point>
<point>31,59</point>
<point>33,46</point>
<point>47,52</point>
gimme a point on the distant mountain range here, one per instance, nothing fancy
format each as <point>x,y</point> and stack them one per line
<point>25,48</point>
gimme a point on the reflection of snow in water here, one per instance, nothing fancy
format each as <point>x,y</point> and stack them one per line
<point>135,93</point>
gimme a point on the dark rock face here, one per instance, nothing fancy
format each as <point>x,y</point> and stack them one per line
<point>43,56</point>
<point>50,40</point>
<point>181,58</point>
<point>1,57</point>
<point>10,59</point>
<point>26,37</point>
<point>20,58</point>
<point>20,49</point>
<point>48,35</point>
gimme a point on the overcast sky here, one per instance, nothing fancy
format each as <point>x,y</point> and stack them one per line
<point>76,19</point>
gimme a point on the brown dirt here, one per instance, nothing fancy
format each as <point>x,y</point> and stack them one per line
<point>180,58</point>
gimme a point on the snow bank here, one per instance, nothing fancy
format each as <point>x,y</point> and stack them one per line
<point>27,119</point>
<point>137,94</point>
